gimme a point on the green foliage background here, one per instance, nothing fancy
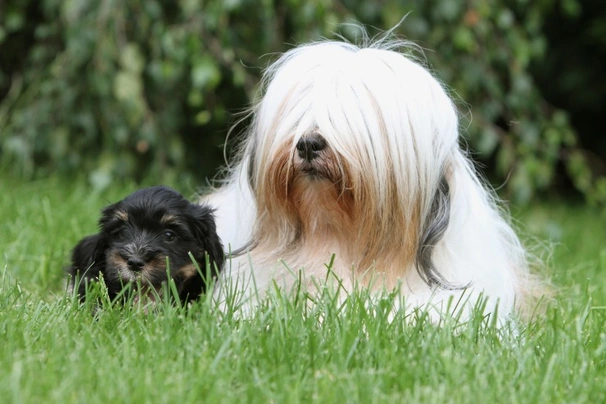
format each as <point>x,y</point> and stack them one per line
<point>149,88</point>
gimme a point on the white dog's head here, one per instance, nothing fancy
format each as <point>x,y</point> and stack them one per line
<point>356,145</point>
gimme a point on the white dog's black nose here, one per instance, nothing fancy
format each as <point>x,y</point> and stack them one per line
<point>309,147</point>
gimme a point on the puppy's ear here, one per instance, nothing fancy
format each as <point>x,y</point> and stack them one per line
<point>88,260</point>
<point>205,231</point>
<point>110,213</point>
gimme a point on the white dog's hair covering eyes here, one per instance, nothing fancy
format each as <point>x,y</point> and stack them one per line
<point>354,151</point>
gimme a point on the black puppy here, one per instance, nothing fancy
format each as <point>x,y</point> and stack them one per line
<point>138,234</point>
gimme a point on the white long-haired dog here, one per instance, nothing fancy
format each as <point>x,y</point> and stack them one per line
<point>354,152</point>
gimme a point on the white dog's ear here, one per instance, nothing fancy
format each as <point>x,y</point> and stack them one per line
<point>435,226</point>
<point>250,165</point>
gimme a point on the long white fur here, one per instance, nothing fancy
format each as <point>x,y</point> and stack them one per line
<point>394,133</point>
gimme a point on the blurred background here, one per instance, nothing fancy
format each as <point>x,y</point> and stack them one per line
<point>148,89</point>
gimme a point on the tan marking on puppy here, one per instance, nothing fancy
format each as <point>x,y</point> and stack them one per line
<point>188,271</point>
<point>114,260</point>
<point>121,215</point>
<point>170,219</point>
<point>154,269</point>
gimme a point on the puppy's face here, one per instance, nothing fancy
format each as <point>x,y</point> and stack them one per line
<point>148,236</point>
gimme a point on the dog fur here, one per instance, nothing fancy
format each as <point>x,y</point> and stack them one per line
<point>136,238</point>
<point>353,155</point>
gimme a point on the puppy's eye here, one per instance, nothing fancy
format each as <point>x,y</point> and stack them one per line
<point>169,235</point>
<point>120,233</point>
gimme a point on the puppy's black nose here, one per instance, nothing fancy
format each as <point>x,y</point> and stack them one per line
<point>135,263</point>
<point>309,147</point>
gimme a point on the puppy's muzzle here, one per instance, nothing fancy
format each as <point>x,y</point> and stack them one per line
<point>136,257</point>
<point>135,263</point>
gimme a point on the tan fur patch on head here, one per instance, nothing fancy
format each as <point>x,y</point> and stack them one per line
<point>169,219</point>
<point>121,215</point>
<point>154,270</point>
<point>188,271</point>
<point>115,261</point>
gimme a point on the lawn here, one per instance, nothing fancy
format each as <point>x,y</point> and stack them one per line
<point>53,350</point>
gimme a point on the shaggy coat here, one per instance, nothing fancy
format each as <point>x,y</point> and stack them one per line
<point>145,239</point>
<point>353,158</point>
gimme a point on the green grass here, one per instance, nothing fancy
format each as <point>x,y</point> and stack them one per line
<point>52,350</point>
